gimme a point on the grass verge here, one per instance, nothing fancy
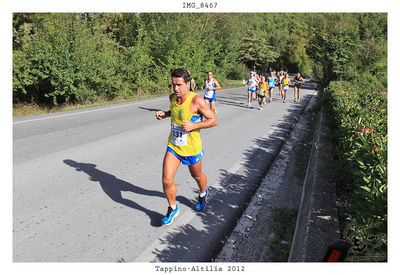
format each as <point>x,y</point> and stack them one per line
<point>284,223</point>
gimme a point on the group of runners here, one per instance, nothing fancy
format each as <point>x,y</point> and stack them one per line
<point>189,113</point>
<point>259,86</point>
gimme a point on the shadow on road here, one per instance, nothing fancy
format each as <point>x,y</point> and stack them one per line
<point>149,109</point>
<point>113,187</point>
<point>226,203</point>
<point>227,200</point>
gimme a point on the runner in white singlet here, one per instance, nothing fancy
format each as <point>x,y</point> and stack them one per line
<point>210,85</point>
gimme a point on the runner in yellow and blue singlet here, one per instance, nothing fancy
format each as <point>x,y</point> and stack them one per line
<point>184,142</point>
<point>285,86</point>
<point>262,92</point>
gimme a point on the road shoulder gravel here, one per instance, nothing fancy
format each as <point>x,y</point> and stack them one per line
<point>264,232</point>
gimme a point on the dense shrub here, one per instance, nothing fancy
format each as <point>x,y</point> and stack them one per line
<point>65,61</point>
<point>359,109</point>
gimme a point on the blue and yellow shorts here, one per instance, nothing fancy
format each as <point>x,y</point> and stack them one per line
<point>191,160</point>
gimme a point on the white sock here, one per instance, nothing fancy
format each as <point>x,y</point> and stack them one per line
<point>202,194</point>
<point>173,206</point>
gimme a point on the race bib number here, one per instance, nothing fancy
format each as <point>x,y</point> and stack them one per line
<point>285,87</point>
<point>179,137</point>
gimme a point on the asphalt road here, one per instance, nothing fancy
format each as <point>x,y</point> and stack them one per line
<point>87,184</point>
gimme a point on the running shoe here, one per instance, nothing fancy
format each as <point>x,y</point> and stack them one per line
<point>249,104</point>
<point>171,214</point>
<point>202,202</point>
<point>261,108</point>
<point>284,101</point>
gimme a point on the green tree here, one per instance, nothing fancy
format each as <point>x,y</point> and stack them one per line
<point>65,60</point>
<point>255,51</point>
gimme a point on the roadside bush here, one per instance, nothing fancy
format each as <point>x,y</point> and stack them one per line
<point>65,61</point>
<point>359,109</point>
<point>237,72</point>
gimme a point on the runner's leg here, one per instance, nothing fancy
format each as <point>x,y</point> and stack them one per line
<point>270,94</point>
<point>212,106</point>
<point>170,166</point>
<point>199,176</point>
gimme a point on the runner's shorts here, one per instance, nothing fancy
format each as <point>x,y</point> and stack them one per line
<point>285,88</point>
<point>214,98</point>
<point>252,90</point>
<point>191,160</point>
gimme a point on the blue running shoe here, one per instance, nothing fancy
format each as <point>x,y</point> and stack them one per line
<point>202,202</point>
<point>171,214</point>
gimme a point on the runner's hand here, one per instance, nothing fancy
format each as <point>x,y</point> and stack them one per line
<point>187,126</point>
<point>160,115</point>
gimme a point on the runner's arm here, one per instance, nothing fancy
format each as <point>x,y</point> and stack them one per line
<point>201,107</point>
<point>164,114</point>
<point>217,86</point>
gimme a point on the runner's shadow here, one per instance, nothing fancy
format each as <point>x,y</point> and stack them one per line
<point>113,187</point>
<point>149,109</point>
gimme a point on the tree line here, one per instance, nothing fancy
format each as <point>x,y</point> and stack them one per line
<point>80,57</point>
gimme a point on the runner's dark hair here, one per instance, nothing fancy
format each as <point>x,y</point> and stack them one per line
<point>181,73</point>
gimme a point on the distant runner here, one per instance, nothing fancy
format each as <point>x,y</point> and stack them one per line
<point>252,84</point>
<point>192,84</point>
<point>271,85</point>
<point>184,142</point>
<point>281,77</point>
<point>210,85</point>
<point>298,80</point>
<point>258,79</point>
<point>285,86</point>
<point>263,87</point>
